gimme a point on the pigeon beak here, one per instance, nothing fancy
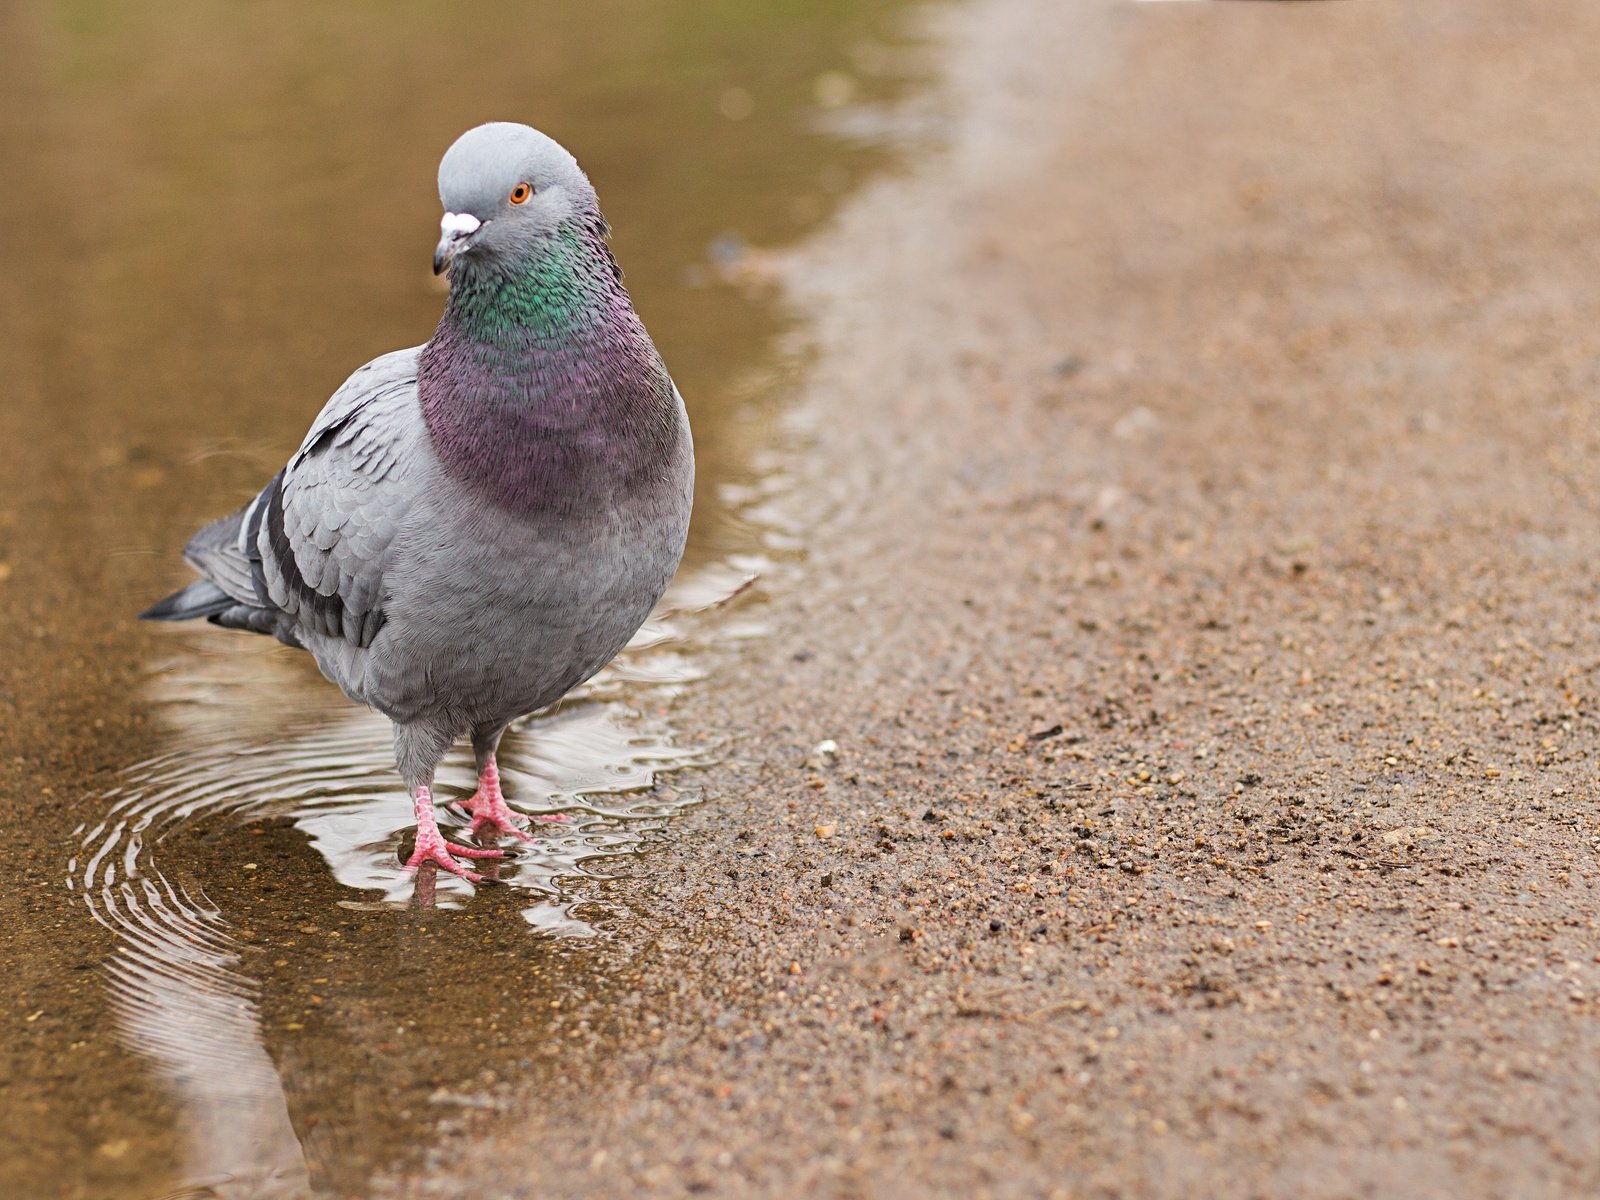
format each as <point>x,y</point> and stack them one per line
<point>454,229</point>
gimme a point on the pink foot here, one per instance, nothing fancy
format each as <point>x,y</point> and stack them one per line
<point>432,848</point>
<point>490,811</point>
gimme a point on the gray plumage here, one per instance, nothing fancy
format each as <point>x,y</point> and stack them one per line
<point>473,527</point>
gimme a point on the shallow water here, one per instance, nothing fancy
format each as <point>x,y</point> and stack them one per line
<point>220,981</point>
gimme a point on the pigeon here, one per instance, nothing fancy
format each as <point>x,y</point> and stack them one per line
<point>474,526</point>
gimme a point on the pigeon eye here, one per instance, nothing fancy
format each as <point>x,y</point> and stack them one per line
<point>520,193</point>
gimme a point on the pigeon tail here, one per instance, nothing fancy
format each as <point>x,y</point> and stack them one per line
<point>202,598</point>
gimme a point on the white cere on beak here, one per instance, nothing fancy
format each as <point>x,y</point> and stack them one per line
<point>453,227</point>
<point>458,225</point>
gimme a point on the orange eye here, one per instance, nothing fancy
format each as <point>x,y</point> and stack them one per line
<point>520,193</point>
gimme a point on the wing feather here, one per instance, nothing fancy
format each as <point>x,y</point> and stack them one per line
<point>327,524</point>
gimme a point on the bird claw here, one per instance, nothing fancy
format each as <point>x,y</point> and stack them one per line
<point>432,848</point>
<point>489,811</point>
<point>492,813</point>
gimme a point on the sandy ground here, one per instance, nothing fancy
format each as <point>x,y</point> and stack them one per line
<point>1201,595</point>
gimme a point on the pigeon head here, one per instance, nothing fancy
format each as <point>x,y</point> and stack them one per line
<point>506,189</point>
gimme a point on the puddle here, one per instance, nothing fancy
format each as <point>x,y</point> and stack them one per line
<point>238,992</point>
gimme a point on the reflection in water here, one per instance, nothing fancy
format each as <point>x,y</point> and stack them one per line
<point>262,737</point>
<point>181,999</point>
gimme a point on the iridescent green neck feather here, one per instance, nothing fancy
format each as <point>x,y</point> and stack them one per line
<point>541,387</point>
<point>567,285</point>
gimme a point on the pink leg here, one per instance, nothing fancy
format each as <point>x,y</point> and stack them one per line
<point>490,811</point>
<point>432,848</point>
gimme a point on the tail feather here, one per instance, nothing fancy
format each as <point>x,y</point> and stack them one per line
<point>259,620</point>
<point>232,593</point>
<point>202,598</point>
<point>214,552</point>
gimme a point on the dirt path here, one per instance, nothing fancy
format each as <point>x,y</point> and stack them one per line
<point>1201,595</point>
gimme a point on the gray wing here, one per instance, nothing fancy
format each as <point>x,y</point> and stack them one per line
<point>318,538</point>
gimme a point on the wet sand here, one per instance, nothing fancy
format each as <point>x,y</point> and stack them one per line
<point>1191,467</point>
<point>1207,630</point>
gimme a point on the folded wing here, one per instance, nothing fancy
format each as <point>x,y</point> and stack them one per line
<point>309,554</point>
